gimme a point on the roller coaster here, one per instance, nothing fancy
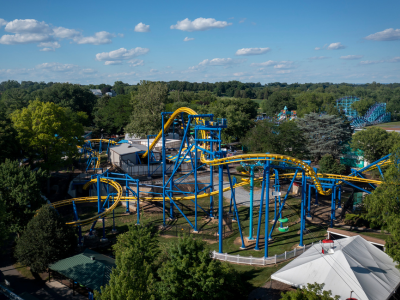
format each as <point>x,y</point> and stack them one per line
<point>205,150</point>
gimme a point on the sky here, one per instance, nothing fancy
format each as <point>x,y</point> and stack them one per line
<point>97,42</point>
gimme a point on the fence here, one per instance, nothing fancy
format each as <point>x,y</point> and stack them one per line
<point>249,260</point>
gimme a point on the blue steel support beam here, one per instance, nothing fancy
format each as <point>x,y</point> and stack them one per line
<point>137,204</point>
<point>195,182</point>
<point>163,164</point>
<point>261,209</point>
<point>266,212</point>
<point>99,208</point>
<point>309,202</point>
<point>220,206</point>
<point>303,204</point>
<point>251,202</point>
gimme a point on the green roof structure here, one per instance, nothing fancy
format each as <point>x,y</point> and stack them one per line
<point>89,269</point>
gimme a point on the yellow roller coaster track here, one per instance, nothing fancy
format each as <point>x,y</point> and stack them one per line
<point>275,158</point>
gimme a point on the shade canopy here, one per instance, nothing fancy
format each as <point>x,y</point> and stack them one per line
<point>355,265</point>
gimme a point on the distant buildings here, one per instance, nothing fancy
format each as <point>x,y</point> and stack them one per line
<point>98,93</point>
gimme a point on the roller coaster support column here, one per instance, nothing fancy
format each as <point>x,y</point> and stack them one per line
<point>195,182</point>
<point>114,231</point>
<point>137,203</point>
<point>261,208</point>
<point>99,208</point>
<point>233,199</point>
<point>303,207</point>
<point>251,203</point>
<point>332,205</point>
<point>340,197</point>
<point>266,211</point>
<point>127,194</point>
<point>163,165</point>
<point>220,203</point>
<point>211,179</point>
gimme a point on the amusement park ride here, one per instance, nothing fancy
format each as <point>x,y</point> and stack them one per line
<point>205,149</point>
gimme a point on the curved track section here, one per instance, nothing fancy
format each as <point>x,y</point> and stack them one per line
<point>114,184</point>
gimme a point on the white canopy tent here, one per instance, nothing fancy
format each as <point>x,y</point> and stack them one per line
<point>355,265</point>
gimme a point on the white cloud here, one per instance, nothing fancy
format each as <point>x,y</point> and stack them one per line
<point>141,27</point>
<point>317,48</point>
<point>12,39</point>
<point>265,64</point>
<point>120,35</point>
<point>88,71</point>
<point>187,39</point>
<point>239,74</point>
<point>99,38</point>
<point>252,51</point>
<point>136,62</point>
<point>113,62</point>
<point>49,46</point>
<point>242,20</point>
<point>283,71</point>
<point>352,57</point>
<point>220,62</point>
<point>318,57</point>
<point>371,62</point>
<point>199,24</point>
<point>121,54</point>
<point>57,67</point>
<point>3,22</point>
<point>27,26</point>
<point>335,46</point>
<point>389,34</point>
<point>284,65</point>
<point>395,59</point>
<point>66,33</point>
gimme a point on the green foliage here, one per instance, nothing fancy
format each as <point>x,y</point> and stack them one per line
<point>328,164</point>
<point>9,145</point>
<point>47,133</point>
<point>383,205</point>
<point>66,95</point>
<point>313,102</point>
<point>326,134</point>
<point>190,273</point>
<point>362,106</point>
<point>4,227</point>
<point>148,103</point>
<point>14,99</point>
<point>239,114</point>
<point>133,278</point>
<point>20,193</point>
<point>112,114</point>
<point>46,240</point>
<point>311,292</point>
<point>286,138</point>
<point>375,142</point>
<point>277,101</point>
<point>356,220</point>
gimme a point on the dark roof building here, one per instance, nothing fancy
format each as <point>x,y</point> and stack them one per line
<point>89,269</point>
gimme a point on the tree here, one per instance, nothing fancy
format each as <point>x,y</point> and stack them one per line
<point>375,142</point>
<point>48,133</point>
<point>325,134</point>
<point>311,292</point>
<point>239,114</point>
<point>20,192</point>
<point>106,89</point>
<point>189,272</point>
<point>46,240</point>
<point>363,105</point>
<point>67,95</point>
<point>133,277</point>
<point>4,227</point>
<point>330,165</point>
<point>9,145</point>
<point>285,138</point>
<point>148,103</point>
<point>277,101</point>
<point>383,207</point>
<point>112,114</point>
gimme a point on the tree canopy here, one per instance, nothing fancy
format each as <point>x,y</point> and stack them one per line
<point>313,291</point>
<point>285,138</point>
<point>325,134</point>
<point>9,145</point>
<point>277,101</point>
<point>375,142</point>
<point>46,240</point>
<point>148,103</point>
<point>328,164</point>
<point>47,133</point>
<point>20,193</point>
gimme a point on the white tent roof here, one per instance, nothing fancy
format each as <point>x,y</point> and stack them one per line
<point>355,265</point>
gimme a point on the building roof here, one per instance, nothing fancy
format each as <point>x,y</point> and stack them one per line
<point>96,91</point>
<point>346,233</point>
<point>124,149</point>
<point>355,265</point>
<point>87,272</point>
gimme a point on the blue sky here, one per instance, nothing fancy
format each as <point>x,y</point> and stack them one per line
<point>265,41</point>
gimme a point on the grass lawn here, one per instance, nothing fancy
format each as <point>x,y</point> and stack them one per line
<point>24,270</point>
<point>381,236</point>
<point>388,125</point>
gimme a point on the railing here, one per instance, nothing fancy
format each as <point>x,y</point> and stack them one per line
<point>9,294</point>
<point>249,260</point>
